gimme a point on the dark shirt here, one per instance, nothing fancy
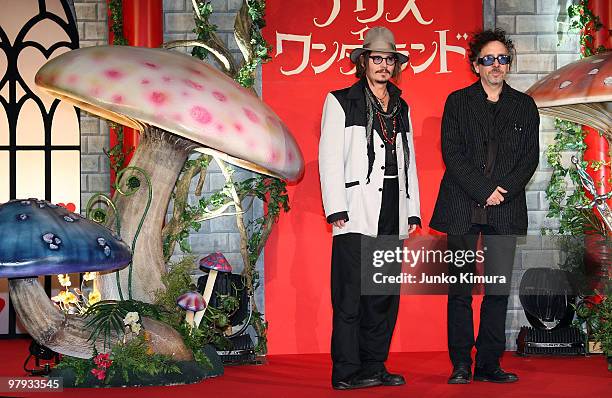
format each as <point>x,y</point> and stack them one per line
<point>390,156</point>
<point>479,214</point>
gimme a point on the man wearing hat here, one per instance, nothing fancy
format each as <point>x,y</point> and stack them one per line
<point>370,189</point>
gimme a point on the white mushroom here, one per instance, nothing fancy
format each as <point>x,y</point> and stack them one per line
<point>179,104</point>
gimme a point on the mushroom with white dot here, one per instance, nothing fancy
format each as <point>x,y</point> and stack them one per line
<point>41,238</point>
<point>179,104</point>
<point>580,92</point>
<point>193,303</point>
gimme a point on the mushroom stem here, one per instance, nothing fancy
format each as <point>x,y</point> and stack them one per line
<point>189,318</point>
<point>68,334</point>
<point>210,284</point>
<point>198,317</point>
<point>161,155</point>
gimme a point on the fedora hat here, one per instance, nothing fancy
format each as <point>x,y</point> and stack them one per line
<point>378,39</point>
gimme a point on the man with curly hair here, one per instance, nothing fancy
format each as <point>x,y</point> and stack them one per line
<point>490,148</point>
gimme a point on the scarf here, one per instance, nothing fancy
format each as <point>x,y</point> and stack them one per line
<point>372,105</point>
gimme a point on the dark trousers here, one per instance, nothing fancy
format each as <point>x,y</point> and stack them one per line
<point>362,325</point>
<point>491,341</point>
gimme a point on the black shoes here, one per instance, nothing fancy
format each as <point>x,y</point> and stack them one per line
<point>494,375</point>
<point>361,380</point>
<point>462,374</point>
<point>390,379</point>
<point>358,381</point>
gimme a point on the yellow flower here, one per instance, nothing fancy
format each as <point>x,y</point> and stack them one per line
<point>70,298</point>
<point>60,297</point>
<point>94,297</point>
<point>89,276</point>
<point>64,280</point>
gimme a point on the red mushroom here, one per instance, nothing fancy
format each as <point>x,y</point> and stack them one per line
<point>213,263</point>
<point>580,92</point>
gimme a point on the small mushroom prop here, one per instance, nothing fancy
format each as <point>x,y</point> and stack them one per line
<point>179,104</point>
<point>215,263</point>
<point>192,302</point>
<point>41,238</point>
<point>580,92</point>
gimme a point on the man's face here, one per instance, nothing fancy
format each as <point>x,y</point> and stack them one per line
<point>495,74</point>
<point>379,73</point>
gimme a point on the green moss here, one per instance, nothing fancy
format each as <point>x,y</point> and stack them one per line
<point>135,358</point>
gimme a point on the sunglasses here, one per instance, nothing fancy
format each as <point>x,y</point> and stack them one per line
<point>377,59</point>
<point>489,60</point>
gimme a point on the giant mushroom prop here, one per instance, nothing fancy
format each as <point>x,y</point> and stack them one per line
<point>45,239</point>
<point>179,104</point>
<point>580,92</point>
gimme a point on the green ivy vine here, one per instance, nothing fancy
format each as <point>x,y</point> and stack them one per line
<point>583,20</point>
<point>570,138</point>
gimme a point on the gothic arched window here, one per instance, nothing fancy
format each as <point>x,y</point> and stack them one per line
<point>39,135</point>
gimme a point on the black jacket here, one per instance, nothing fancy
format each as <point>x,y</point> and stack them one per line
<point>467,125</point>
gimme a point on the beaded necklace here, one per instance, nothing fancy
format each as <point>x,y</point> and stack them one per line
<point>383,127</point>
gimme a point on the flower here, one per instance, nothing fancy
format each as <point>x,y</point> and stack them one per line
<point>70,298</point>
<point>130,318</point>
<point>103,361</point>
<point>89,276</point>
<point>135,328</point>
<point>59,298</point>
<point>65,297</point>
<point>99,373</point>
<point>594,300</point>
<point>94,297</point>
<point>64,280</point>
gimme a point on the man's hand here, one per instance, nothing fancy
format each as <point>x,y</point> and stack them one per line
<point>496,197</point>
<point>339,223</point>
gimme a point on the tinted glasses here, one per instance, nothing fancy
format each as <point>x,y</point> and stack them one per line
<point>377,59</point>
<point>489,60</point>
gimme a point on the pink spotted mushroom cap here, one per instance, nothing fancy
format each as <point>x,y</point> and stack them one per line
<point>580,92</point>
<point>137,86</point>
<point>191,301</point>
<point>215,261</point>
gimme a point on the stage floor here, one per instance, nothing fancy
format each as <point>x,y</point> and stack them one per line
<point>308,376</point>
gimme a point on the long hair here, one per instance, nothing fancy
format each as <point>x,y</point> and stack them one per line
<point>363,61</point>
<point>482,38</point>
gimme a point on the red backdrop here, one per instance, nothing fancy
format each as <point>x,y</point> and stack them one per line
<point>311,43</point>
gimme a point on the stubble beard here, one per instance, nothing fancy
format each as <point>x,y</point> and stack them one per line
<point>382,80</point>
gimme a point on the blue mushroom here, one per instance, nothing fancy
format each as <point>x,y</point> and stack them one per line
<point>41,238</point>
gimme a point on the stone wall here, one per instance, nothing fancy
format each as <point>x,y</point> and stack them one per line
<point>539,31</point>
<point>95,177</point>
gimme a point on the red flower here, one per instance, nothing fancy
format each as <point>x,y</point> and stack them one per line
<point>594,300</point>
<point>99,373</point>
<point>103,361</point>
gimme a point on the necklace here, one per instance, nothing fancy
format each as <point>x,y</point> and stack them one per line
<point>383,127</point>
<point>381,101</point>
